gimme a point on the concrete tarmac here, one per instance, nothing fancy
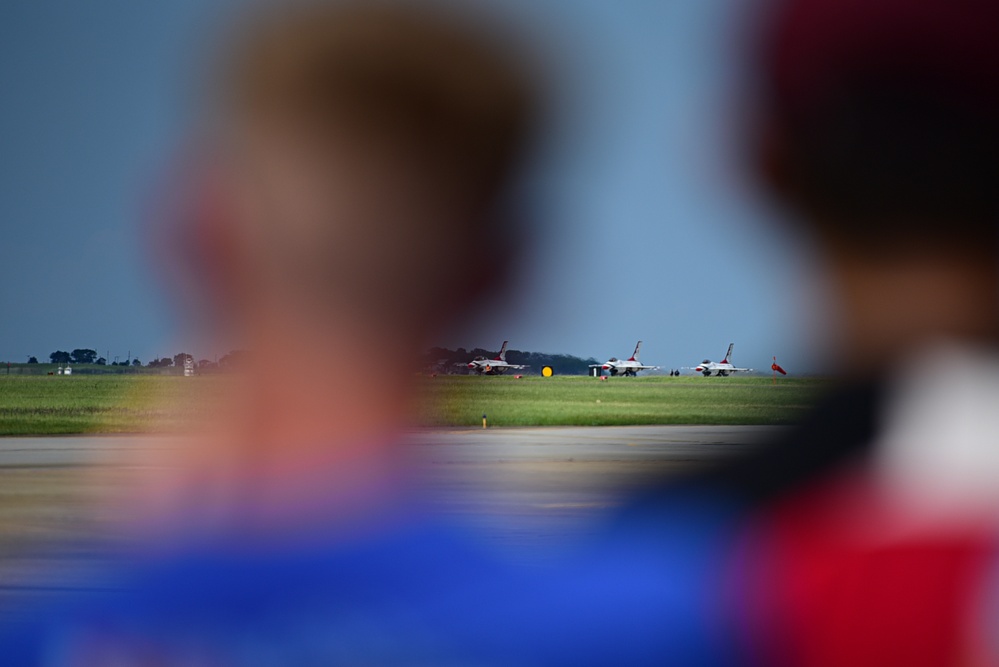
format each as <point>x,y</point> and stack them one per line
<point>531,491</point>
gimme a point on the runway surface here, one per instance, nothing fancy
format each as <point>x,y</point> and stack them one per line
<point>541,487</point>
<point>531,491</point>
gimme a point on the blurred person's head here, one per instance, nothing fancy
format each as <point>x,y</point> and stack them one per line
<point>370,145</point>
<point>364,149</point>
<point>358,154</point>
<point>353,202</point>
<point>881,130</point>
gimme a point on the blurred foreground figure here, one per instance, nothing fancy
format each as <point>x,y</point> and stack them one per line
<point>876,543</point>
<point>354,147</point>
<point>352,154</point>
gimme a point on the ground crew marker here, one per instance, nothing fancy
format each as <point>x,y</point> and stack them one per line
<point>483,420</point>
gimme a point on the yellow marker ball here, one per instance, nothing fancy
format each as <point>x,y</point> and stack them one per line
<point>547,371</point>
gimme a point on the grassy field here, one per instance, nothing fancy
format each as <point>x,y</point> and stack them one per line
<point>43,405</point>
<point>585,401</point>
<point>51,405</point>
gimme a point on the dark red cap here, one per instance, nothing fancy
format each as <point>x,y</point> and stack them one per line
<point>817,46</point>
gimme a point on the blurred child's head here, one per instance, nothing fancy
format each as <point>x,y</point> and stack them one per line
<point>365,150</point>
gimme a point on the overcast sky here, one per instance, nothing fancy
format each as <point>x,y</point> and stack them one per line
<point>650,229</point>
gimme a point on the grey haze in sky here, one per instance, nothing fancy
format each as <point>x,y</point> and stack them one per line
<point>649,229</point>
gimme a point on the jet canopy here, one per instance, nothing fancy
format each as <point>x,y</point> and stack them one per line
<point>613,359</point>
<point>706,361</point>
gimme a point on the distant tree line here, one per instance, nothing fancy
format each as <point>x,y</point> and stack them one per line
<point>77,356</point>
<point>231,361</point>
<point>444,360</point>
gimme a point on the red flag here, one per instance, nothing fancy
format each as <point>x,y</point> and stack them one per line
<point>776,368</point>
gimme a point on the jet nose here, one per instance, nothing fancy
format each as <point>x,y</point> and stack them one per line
<point>606,367</point>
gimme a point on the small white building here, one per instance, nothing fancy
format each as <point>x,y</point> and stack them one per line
<point>67,370</point>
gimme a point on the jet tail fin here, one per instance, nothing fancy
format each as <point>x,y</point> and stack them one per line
<point>502,353</point>
<point>634,355</point>
<point>728,355</point>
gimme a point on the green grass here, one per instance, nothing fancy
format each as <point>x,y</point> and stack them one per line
<point>53,405</point>
<point>586,401</point>
<point>49,405</point>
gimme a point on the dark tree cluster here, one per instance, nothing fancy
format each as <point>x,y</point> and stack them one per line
<point>83,356</point>
<point>77,356</point>
<point>59,357</point>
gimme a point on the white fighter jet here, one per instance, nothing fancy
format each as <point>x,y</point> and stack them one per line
<point>721,368</point>
<point>496,366</point>
<point>626,367</point>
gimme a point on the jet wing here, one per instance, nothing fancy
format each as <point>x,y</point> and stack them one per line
<point>644,368</point>
<point>517,367</point>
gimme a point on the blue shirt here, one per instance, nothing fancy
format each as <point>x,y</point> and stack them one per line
<point>651,590</point>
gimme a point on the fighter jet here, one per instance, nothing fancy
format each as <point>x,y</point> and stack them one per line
<point>496,366</point>
<point>721,368</point>
<point>627,367</point>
